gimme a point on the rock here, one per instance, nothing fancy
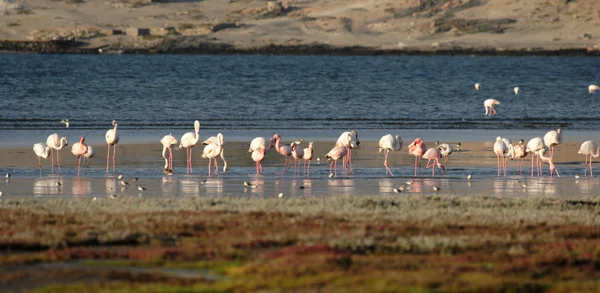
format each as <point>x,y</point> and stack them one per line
<point>223,26</point>
<point>400,45</point>
<point>435,45</point>
<point>137,32</point>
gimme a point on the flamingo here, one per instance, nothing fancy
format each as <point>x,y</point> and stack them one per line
<point>260,143</point>
<point>501,150</point>
<point>188,141</point>
<point>587,148</point>
<point>42,152</point>
<point>551,139</point>
<point>348,139</point>
<point>308,154</point>
<point>489,106</point>
<point>593,88</point>
<point>214,148</point>
<point>477,86</point>
<point>112,138</point>
<point>533,146</point>
<point>88,155</point>
<point>297,153</point>
<point>55,143</point>
<point>446,150</point>
<point>549,160</point>
<point>433,154</point>
<point>417,148</point>
<point>336,153</point>
<point>258,156</point>
<point>516,90</point>
<point>168,141</point>
<point>79,149</point>
<point>389,143</point>
<point>519,153</point>
<point>284,150</point>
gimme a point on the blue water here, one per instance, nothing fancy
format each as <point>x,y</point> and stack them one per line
<point>296,92</point>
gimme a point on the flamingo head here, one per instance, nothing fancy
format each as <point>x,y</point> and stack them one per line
<point>114,123</point>
<point>521,141</point>
<point>496,102</point>
<point>441,166</point>
<point>498,139</point>
<point>293,145</point>
<point>276,137</point>
<point>64,141</point>
<point>559,131</point>
<point>82,139</point>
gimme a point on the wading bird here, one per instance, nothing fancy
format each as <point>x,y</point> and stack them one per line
<point>56,143</point>
<point>188,141</point>
<point>112,139</point>
<point>389,143</point>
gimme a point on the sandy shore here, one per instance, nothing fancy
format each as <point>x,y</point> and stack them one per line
<point>309,27</point>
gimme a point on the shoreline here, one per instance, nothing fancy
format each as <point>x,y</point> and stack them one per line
<point>210,48</point>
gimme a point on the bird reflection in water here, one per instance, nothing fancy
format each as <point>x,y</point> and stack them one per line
<point>110,185</point>
<point>189,187</point>
<point>82,187</point>
<point>343,185</point>
<point>168,186</point>
<point>47,186</point>
<point>386,185</point>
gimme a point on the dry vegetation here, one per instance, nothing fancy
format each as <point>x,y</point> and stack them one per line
<point>335,244</point>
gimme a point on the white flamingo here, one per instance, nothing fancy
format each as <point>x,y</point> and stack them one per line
<point>533,146</point>
<point>446,150</point>
<point>389,143</point>
<point>88,155</point>
<point>112,139</point>
<point>168,141</point>
<point>516,90</point>
<point>552,138</point>
<point>549,160</point>
<point>489,106</point>
<point>214,147</point>
<point>501,151</point>
<point>42,152</point>
<point>349,140</point>
<point>188,141</point>
<point>79,149</point>
<point>593,88</point>
<point>308,155</point>
<point>477,86</point>
<point>588,148</point>
<point>56,143</point>
<point>297,154</point>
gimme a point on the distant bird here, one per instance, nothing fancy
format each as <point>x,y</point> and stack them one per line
<point>280,195</point>
<point>549,160</point>
<point>458,145</point>
<point>56,143</point>
<point>1,193</point>
<point>489,106</point>
<point>318,161</point>
<point>42,152</point>
<point>100,51</point>
<point>410,181</point>
<point>533,146</point>
<point>446,150</point>
<point>576,176</point>
<point>168,141</point>
<point>120,176</point>
<point>434,155</point>
<point>253,185</point>
<point>140,188</point>
<point>389,143</point>
<point>552,138</point>
<point>402,187</point>
<point>591,149</point>
<point>299,141</point>
<point>88,155</point>
<point>348,139</point>
<point>308,155</point>
<point>124,183</point>
<point>334,155</point>
<point>79,149</point>
<point>524,184</point>
<point>188,141</point>
<point>65,122</point>
<point>112,138</point>
<point>284,150</point>
<point>435,188</point>
<point>417,148</point>
<point>7,175</point>
<point>297,154</point>
<point>214,148</point>
<point>593,88</point>
<point>469,177</point>
<point>134,179</point>
<point>477,86</point>
<point>516,90</point>
<point>113,196</point>
<point>397,190</point>
<point>203,181</point>
<point>501,151</point>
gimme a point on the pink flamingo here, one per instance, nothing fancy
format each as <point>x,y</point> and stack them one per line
<point>520,154</point>
<point>587,148</point>
<point>549,160</point>
<point>188,141</point>
<point>214,148</point>
<point>389,143</point>
<point>533,146</point>
<point>434,155</point>
<point>297,154</point>
<point>489,106</point>
<point>334,155</point>
<point>112,138</point>
<point>308,155</point>
<point>258,156</point>
<point>553,138</point>
<point>57,144</point>
<point>284,150</point>
<point>593,88</point>
<point>501,151</point>
<point>79,149</point>
<point>417,148</point>
<point>348,139</point>
<point>168,141</point>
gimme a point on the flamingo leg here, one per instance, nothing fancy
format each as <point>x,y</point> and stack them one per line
<point>335,169</point>
<point>78,166</point>
<point>532,155</point>
<point>505,159</point>
<point>585,166</point>
<point>498,163</point>
<point>216,164</point>
<point>114,154</point>
<point>58,160</point>
<point>191,168</point>
<point>107,158</point>
<point>170,159</point>
<point>309,167</point>
<point>591,174</point>
<point>52,156</point>
<point>385,163</point>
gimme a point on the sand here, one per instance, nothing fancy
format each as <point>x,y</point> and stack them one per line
<point>500,24</point>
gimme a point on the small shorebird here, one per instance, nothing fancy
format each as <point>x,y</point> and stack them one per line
<point>203,181</point>
<point>120,176</point>
<point>140,188</point>
<point>469,177</point>
<point>576,176</point>
<point>410,181</point>
<point>65,122</point>
<point>113,196</point>
<point>124,183</point>
<point>435,188</point>
<point>397,190</point>
<point>7,175</point>
<point>280,195</point>
<point>524,184</point>
<point>88,155</point>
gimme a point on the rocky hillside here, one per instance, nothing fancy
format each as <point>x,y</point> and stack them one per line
<point>381,24</point>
